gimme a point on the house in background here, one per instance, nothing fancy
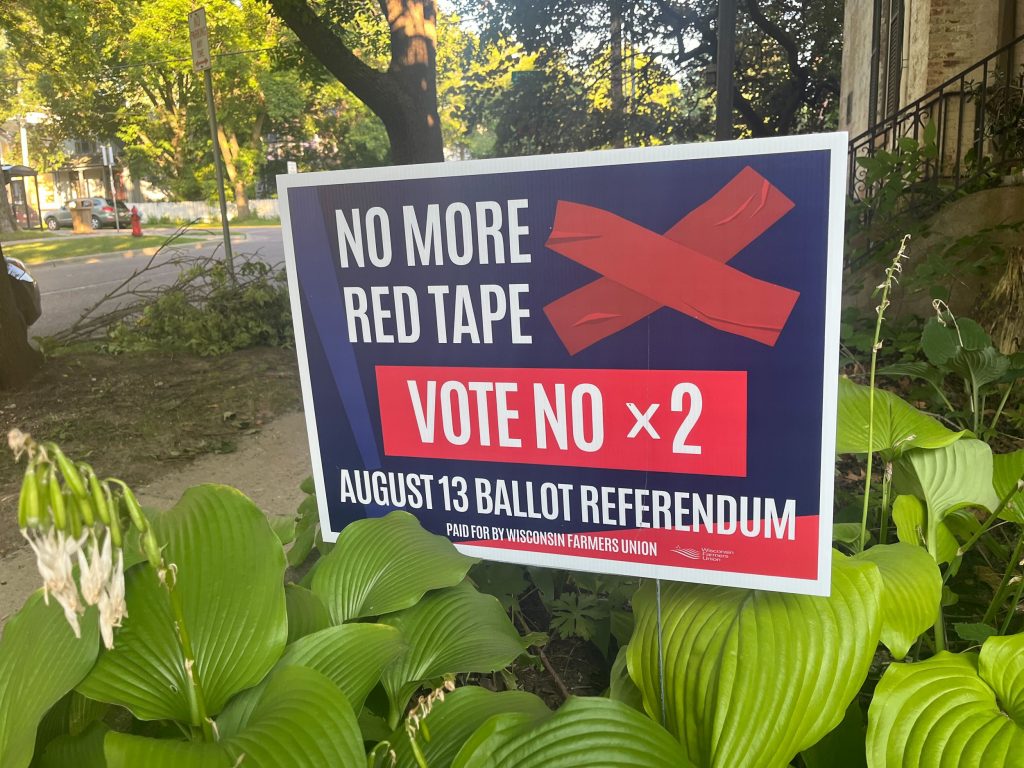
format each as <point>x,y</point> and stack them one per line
<point>953,63</point>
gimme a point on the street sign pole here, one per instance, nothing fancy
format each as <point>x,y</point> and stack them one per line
<point>726,64</point>
<point>200,39</point>
<point>108,160</point>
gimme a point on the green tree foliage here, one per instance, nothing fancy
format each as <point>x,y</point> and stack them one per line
<point>787,58</point>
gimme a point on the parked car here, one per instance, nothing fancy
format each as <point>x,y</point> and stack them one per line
<point>26,291</point>
<point>102,213</point>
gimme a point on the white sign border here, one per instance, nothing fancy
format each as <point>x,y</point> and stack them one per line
<point>835,143</point>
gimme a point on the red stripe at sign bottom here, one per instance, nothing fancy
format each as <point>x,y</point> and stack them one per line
<point>664,421</point>
<point>757,551</point>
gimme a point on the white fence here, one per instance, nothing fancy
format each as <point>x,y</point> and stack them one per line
<point>198,209</point>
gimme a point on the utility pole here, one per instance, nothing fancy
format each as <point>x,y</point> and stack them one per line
<point>199,36</point>
<point>726,59</point>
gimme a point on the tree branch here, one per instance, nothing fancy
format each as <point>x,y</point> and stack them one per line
<point>370,86</point>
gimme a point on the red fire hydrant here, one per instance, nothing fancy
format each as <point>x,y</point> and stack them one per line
<point>136,223</point>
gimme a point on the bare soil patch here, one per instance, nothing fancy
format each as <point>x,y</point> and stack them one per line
<point>139,416</point>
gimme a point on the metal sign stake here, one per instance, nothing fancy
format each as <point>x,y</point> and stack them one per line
<point>661,657</point>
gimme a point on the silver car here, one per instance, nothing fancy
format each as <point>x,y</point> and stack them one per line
<point>103,210</point>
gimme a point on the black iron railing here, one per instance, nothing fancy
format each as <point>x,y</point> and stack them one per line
<point>978,124</point>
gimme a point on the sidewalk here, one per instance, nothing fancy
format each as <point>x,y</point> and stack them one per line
<point>267,467</point>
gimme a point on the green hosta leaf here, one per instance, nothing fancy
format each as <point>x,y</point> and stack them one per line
<point>911,528</point>
<point>283,528</point>
<point>940,343</point>
<point>915,370</point>
<point>302,721</point>
<point>732,655</point>
<point>847,533</point>
<point>40,661</point>
<point>125,750</point>
<point>351,656</point>
<point>591,732</point>
<point>453,721</point>
<point>84,750</point>
<point>503,580</point>
<point>960,710</point>
<point>230,567</point>
<point>912,589</point>
<point>948,479</point>
<point>1007,469</point>
<point>621,686</point>
<point>974,633</point>
<point>385,564</point>
<point>306,612</point>
<point>448,631</point>
<point>899,426</point>
<point>306,529</point>
<point>980,367</point>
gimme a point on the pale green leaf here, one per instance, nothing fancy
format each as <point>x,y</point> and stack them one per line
<point>951,710</point>
<point>302,720</point>
<point>448,631</point>
<point>452,721</point>
<point>584,732</point>
<point>84,750</point>
<point>40,661</point>
<point>385,564</point>
<point>230,567</point>
<point>733,655</point>
<point>351,656</point>
<point>306,612</point>
<point>1007,470</point>
<point>947,479</point>
<point>899,426</point>
<point>911,591</point>
<point>621,686</point>
<point>124,750</point>
<point>911,528</point>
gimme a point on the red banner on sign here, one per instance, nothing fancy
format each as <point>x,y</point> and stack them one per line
<point>663,421</point>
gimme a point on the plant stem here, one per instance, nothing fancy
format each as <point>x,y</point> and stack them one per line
<point>196,701</point>
<point>1000,596</point>
<point>883,532</point>
<point>1002,403</point>
<point>940,624</point>
<point>890,277</point>
<point>1014,490</point>
<point>1009,614</point>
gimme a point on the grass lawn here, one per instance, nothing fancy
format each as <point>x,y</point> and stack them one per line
<point>25,234</point>
<point>64,247</point>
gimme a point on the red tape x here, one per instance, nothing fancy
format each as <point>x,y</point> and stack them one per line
<point>685,269</point>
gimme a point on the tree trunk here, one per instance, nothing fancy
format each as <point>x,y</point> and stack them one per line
<point>18,359</point>
<point>615,90</point>
<point>7,221</point>
<point>241,199</point>
<point>415,134</point>
<point>404,97</point>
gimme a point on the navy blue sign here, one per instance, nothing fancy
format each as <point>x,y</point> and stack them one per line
<point>614,361</point>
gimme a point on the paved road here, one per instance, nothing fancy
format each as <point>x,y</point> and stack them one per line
<point>70,287</point>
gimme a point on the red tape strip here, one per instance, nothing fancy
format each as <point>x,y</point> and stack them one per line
<point>716,231</point>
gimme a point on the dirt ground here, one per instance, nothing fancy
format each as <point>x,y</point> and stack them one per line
<point>141,417</point>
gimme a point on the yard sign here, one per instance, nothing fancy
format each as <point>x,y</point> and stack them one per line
<point>622,361</point>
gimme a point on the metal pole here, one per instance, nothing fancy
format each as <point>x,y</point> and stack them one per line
<point>229,259</point>
<point>661,658</point>
<point>113,189</point>
<point>726,65</point>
